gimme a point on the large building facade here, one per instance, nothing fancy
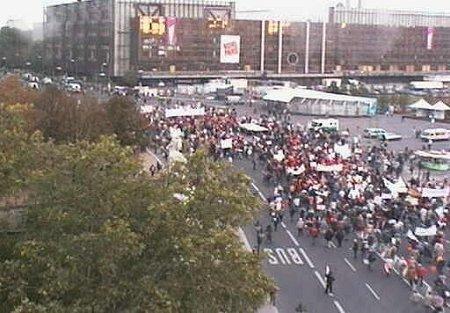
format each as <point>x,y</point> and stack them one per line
<point>168,36</point>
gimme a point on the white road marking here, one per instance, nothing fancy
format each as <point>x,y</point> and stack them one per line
<point>373,292</point>
<point>295,256</point>
<point>338,306</point>
<point>350,265</point>
<point>272,259</point>
<point>292,238</point>
<point>282,256</point>
<point>259,192</point>
<point>283,224</point>
<point>333,244</point>
<point>321,281</point>
<point>308,260</point>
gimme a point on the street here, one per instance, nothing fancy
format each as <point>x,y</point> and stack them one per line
<point>298,268</point>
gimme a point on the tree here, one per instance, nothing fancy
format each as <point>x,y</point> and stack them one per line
<point>64,118</point>
<point>104,237</point>
<point>126,121</point>
<point>18,150</point>
<point>13,92</point>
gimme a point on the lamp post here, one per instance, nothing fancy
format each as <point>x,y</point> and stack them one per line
<point>4,64</point>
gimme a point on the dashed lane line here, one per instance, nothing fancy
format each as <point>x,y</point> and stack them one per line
<point>350,265</point>
<point>308,260</point>
<point>339,306</point>
<point>292,237</point>
<point>259,192</point>
<point>320,278</point>
<point>373,292</point>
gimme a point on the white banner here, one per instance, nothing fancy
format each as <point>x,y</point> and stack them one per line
<point>397,187</point>
<point>295,171</point>
<point>186,111</point>
<point>424,232</point>
<point>226,143</point>
<point>329,168</point>
<point>279,156</point>
<point>344,151</point>
<point>230,49</point>
<point>435,193</point>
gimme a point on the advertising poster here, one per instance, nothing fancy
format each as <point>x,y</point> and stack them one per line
<point>171,23</point>
<point>230,48</point>
<point>430,34</point>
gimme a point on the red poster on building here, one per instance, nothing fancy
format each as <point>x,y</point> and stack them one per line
<point>171,23</point>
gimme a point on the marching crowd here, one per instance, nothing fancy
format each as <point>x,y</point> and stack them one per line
<point>331,187</point>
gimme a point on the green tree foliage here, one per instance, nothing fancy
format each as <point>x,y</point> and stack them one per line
<point>103,237</point>
<point>18,149</point>
<point>64,118</point>
<point>126,121</point>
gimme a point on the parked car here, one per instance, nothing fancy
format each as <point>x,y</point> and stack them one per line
<point>389,137</point>
<point>328,125</point>
<point>373,132</point>
<point>435,134</point>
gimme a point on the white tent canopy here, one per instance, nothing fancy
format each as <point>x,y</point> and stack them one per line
<point>253,127</point>
<point>286,95</point>
<point>441,106</point>
<point>421,105</point>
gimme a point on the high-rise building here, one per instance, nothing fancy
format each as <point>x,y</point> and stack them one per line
<point>97,35</point>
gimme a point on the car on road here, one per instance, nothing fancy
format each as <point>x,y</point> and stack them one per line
<point>435,134</point>
<point>325,124</point>
<point>389,137</point>
<point>373,132</point>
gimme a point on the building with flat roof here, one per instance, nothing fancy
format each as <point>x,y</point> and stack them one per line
<point>399,18</point>
<point>100,36</point>
<point>115,36</point>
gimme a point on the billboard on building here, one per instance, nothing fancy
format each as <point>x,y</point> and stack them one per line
<point>230,48</point>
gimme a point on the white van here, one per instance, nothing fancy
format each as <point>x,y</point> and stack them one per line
<point>373,132</point>
<point>435,134</point>
<point>328,125</point>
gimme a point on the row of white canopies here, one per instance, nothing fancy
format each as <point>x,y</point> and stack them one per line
<point>423,109</point>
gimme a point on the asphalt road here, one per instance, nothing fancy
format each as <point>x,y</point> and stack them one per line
<point>296,266</point>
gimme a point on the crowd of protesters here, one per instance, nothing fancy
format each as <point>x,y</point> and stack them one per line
<point>330,194</point>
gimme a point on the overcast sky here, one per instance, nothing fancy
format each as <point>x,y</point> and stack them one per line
<point>30,11</point>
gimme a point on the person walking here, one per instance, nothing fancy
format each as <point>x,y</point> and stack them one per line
<point>340,237</point>
<point>259,240</point>
<point>300,226</point>
<point>329,280</point>
<point>355,248</point>
<point>329,236</point>
<point>269,233</point>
